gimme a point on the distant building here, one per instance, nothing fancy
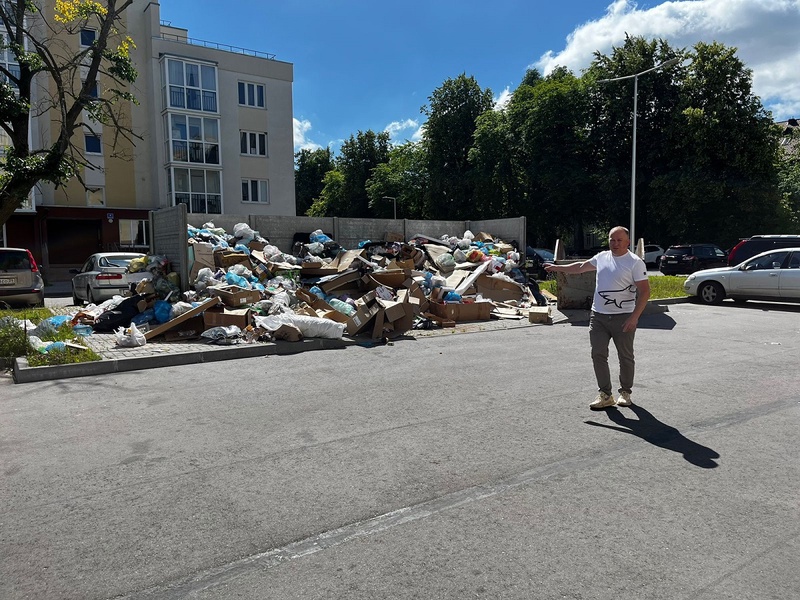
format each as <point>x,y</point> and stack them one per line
<point>216,123</point>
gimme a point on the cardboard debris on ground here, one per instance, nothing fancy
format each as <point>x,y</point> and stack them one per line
<point>387,283</point>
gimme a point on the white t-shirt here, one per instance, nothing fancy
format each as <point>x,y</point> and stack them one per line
<point>615,290</point>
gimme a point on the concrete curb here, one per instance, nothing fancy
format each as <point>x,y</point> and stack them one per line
<point>22,373</point>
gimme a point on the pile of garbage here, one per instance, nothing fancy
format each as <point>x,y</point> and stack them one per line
<point>245,290</point>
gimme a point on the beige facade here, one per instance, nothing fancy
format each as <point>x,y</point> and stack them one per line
<point>215,123</point>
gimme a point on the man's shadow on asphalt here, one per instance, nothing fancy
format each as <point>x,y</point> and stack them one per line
<point>660,434</point>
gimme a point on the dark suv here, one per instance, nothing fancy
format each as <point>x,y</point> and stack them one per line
<point>688,258</point>
<point>757,244</point>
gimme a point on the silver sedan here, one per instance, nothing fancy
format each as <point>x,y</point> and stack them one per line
<point>772,275</point>
<point>102,276</point>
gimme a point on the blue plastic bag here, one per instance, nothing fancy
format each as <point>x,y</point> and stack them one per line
<point>162,310</point>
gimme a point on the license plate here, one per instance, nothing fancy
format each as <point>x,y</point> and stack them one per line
<point>7,281</point>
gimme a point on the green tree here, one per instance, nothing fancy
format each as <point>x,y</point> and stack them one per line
<point>452,114</point>
<point>309,172</point>
<point>548,125</point>
<point>331,196</point>
<point>724,153</point>
<point>50,76</point>
<point>788,168</point>
<point>403,177</point>
<point>359,155</point>
<point>610,133</point>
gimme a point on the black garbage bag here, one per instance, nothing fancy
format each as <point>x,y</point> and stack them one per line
<point>119,316</point>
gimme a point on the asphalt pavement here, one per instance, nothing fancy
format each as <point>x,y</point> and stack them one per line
<point>455,466</point>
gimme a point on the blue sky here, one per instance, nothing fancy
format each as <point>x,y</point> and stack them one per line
<point>361,64</point>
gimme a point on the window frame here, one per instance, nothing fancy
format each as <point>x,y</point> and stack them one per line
<point>250,89</point>
<point>92,136</point>
<point>260,186</point>
<point>246,139</point>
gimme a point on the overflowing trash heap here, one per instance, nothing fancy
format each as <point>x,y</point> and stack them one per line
<point>245,290</point>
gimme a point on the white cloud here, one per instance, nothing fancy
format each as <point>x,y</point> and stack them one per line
<point>764,31</point>
<point>301,129</point>
<point>396,127</point>
<point>501,101</point>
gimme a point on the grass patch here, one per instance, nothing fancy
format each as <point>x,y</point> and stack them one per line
<point>661,286</point>
<point>14,341</point>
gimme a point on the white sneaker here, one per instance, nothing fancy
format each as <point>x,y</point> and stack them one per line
<point>624,399</point>
<point>603,400</point>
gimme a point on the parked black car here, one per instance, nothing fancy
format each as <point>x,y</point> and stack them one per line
<point>535,259</point>
<point>683,259</point>
<point>757,244</point>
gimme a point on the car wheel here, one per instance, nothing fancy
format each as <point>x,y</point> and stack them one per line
<point>710,292</point>
<point>75,300</point>
<point>89,295</point>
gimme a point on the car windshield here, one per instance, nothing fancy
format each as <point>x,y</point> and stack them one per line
<point>121,260</point>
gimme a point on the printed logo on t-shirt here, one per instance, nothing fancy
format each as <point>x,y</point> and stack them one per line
<point>618,297</point>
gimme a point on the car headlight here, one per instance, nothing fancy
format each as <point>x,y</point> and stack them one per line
<point>690,278</point>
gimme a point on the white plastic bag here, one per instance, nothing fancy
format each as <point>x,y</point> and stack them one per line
<point>130,337</point>
<point>308,326</point>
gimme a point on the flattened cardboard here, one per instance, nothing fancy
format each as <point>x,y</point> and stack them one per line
<point>339,281</point>
<point>202,257</point>
<point>496,288</point>
<point>206,304</point>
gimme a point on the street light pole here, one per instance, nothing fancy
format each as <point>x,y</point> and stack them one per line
<point>635,78</point>
<point>394,202</point>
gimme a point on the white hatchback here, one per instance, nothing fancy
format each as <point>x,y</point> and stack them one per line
<point>772,275</point>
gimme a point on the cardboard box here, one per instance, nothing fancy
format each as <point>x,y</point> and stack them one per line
<point>224,317</point>
<point>258,246</point>
<point>454,311</point>
<point>225,259</point>
<point>390,237</point>
<point>540,314</point>
<point>392,309</point>
<point>235,296</point>
<point>362,319</point>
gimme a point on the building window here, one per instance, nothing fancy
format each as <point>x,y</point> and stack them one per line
<point>194,139</point>
<point>134,233</point>
<point>252,94</point>
<point>88,37</point>
<point>93,144</point>
<point>254,143</point>
<point>255,190</point>
<point>8,61</point>
<point>200,190</point>
<point>191,86</point>
<point>96,197</point>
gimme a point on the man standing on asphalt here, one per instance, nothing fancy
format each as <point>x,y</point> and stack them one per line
<point>621,292</point>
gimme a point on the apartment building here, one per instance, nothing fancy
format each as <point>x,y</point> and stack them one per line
<point>216,135</point>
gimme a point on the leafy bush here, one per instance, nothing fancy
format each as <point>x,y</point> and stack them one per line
<point>661,286</point>
<point>14,341</point>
